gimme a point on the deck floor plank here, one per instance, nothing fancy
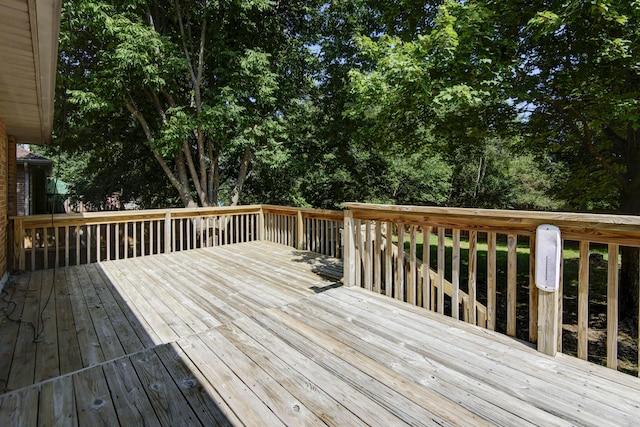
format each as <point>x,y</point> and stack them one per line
<point>163,306</point>
<point>90,348</point>
<point>382,385</point>
<point>20,408</point>
<point>132,305</point>
<point>177,287</point>
<point>47,359</point>
<point>346,394</point>
<point>492,404</point>
<point>68,346</point>
<point>93,398</point>
<point>124,330</point>
<point>170,307</point>
<point>316,399</point>
<point>106,333</point>
<point>235,393</point>
<point>13,306</point>
<point>491,367</point>
<point>289,409</point>
<point>205,401</point>
<point>251,334</point>
<point>168,402</point>
<point>509,353</point>
<point>141,304</point>
<point>22,373</point>
<point>57,405</point>
<point>129,398</point>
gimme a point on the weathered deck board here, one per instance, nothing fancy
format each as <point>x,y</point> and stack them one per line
<point>249,334</point>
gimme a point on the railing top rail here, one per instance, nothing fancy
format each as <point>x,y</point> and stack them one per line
<point>124,216</point>
<point>334,215</point>
<point>601,228</point>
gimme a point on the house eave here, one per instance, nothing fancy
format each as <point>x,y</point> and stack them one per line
<point>29,51</point>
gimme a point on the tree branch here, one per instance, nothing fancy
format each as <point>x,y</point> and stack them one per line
<point>586,137</point>
<point>178,184</point>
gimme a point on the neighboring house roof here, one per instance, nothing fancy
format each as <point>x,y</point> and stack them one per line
<point>29,51</point>
<point>26,156</point>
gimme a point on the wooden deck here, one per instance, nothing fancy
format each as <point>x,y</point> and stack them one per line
<point>250,334</point>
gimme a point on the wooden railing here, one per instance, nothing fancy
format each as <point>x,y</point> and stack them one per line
<point>314,230</point>
<point>478,265</point>
<point>44,241</point>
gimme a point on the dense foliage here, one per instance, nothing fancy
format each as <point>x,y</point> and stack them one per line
<point>474,103</point>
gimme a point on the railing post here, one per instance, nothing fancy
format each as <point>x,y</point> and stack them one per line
<point>168,232</point>
<point>300,231</point>
<point>548,322</point>
<point>349,261</point>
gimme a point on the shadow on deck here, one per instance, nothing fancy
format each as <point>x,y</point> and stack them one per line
<point>255,334</point>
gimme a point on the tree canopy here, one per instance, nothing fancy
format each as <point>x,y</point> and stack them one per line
<point>474,103</point>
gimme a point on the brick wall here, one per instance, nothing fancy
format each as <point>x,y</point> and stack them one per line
<point>4,191</point>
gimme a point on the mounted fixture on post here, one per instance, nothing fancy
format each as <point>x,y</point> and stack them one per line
<point>547,278</point>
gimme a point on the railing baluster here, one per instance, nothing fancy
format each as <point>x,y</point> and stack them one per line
<point>78,228</point>
<point>358,229</point>
<point>134,225</point>
<point>411,283</point>
<point>426,267</point>
<point>126,240</point>
<point>388,268</point>
<point>377,270</point>
<point>455,273</point>
<point>441,266</point>
<point>98,243</point>
<point>473,256</point>
<point>612,307</point>
<point>512,262</point>
<point>583,300</point>
<point>400,285</point>
<point>368,249</point>
<point>66,245</point>
<point>45,246</point>
<point>533,292</point>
